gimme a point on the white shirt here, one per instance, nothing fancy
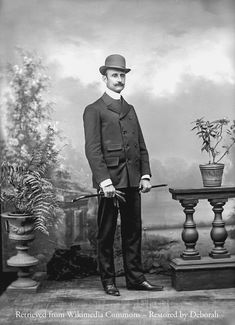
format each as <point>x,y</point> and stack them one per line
<point>113,94</point>
<point>108,181</point>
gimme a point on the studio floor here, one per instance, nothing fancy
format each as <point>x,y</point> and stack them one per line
<point>82,301</point>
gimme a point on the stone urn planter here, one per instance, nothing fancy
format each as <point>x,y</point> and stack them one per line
<point>20,229</point>
<point>27,191</point>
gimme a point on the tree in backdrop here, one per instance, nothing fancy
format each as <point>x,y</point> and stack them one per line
<point>28,112</point>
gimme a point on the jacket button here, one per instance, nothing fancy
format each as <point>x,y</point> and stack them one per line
<point>124,132</point>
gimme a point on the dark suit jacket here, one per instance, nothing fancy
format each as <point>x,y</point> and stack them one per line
<point>114,143</point>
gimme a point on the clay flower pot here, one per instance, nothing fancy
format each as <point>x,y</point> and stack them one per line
<point>212,174</point>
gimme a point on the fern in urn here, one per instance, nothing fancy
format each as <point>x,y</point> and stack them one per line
<point>27,190</point>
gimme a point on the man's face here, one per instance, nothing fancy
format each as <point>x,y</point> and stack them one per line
<point>115,80</point>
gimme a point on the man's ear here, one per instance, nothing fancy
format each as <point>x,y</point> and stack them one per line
<point>104,78</point>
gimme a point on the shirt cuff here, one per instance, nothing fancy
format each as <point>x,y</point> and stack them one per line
<point>146,177</point>
<point>106,182</point>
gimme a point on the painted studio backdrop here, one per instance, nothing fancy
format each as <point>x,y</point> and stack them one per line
<point>181,54</point>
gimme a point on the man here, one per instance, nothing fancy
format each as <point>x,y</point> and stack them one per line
<point>119,161</point>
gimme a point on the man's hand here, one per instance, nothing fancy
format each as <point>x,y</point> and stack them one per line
<point>145,185</point>
<point>109,191</point>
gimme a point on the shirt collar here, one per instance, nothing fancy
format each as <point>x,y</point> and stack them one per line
<point>113,94</point>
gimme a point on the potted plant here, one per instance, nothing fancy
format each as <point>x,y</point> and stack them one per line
<point>31,198</point>
<point>217,137</point>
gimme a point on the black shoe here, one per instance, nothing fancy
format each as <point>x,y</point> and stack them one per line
<point>111,289</point>
<point>146,286</point>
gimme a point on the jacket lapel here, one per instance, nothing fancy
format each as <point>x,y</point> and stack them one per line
<point>125,108</point>
<point>110,103</point>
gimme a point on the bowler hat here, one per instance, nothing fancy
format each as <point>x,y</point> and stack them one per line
<point>114,61</point>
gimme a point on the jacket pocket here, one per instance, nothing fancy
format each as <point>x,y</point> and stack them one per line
<point>112,161</point>
<point>114,147</point>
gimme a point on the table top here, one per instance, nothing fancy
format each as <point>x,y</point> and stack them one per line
<point>203,192</point>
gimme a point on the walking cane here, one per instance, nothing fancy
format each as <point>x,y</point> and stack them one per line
<point>120,195</point>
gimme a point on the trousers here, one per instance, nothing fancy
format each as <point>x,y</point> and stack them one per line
<point>131,233</point>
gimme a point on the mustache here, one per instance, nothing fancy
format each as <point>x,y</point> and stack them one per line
<point>119,84</point>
